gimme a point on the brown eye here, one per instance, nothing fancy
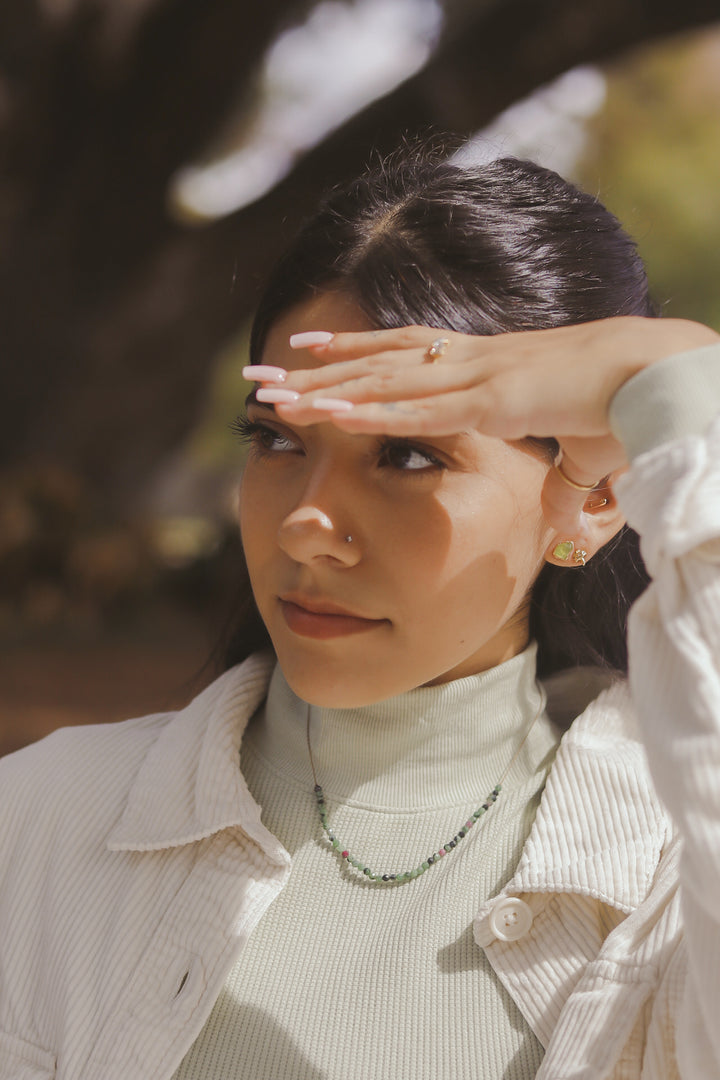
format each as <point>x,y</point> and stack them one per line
<point>407,457</point>
<point>269,439</point>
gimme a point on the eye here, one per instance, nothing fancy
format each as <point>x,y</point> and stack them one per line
<point>406,457</point>
<point>262,438</point>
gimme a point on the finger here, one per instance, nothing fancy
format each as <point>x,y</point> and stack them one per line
<point>393,382</point>
<point>353,345</point>
<point>342,373</point>
<point>396,386</point>
<point>445,414</point>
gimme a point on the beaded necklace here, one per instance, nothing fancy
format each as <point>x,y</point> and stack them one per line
<point>431,860</point>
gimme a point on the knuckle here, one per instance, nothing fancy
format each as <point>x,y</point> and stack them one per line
<point>379,384</point>
<point>500,407</point>
<point>385,381</point>
<point>377,361</point>
<point>411,336</point>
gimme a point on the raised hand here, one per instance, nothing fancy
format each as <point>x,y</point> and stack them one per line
<point>557,383</point>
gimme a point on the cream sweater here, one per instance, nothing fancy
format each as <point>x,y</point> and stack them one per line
<point>345,978</point>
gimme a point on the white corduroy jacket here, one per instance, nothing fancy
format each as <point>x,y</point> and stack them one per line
<point>134,864</point>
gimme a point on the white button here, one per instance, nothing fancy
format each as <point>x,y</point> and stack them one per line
<point>510,919</point>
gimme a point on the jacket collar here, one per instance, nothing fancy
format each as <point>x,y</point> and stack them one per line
<point>598,831</point>
<point>600,828</point>
<point>189,785</point>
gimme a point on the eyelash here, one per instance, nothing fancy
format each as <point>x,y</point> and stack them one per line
<point>252,433</point>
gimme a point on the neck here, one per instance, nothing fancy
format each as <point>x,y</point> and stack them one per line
<point>432,746</point>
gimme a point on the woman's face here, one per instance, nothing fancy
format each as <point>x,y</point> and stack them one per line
<point>447,537</point>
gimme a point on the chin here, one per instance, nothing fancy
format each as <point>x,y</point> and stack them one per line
<point>326,696</point>
<point>328,690</point>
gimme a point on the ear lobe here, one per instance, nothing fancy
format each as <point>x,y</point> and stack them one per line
<point>599,520</point>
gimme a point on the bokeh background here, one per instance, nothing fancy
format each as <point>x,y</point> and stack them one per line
<point>155,158</point>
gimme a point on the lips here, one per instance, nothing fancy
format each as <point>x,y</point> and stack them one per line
<point>322,619</point>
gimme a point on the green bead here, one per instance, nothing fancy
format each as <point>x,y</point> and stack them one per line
<point>405,875</point>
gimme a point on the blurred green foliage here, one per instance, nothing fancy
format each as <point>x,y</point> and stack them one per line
<point>653,156</point>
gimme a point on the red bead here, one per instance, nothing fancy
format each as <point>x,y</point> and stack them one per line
<point>441,852</point>
<point>345,854</point>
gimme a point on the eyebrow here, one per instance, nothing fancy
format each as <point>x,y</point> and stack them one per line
<point>251,399</point>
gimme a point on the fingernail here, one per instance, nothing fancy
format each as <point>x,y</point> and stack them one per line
<point>276,397</point>
<point>264,373</point>
<point>331,404</point>
<point>310,337</point>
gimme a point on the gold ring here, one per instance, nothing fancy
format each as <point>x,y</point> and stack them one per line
<point>436,349</point>
<point>572,483</point>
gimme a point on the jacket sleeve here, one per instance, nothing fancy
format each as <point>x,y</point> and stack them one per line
<point>668,418</point>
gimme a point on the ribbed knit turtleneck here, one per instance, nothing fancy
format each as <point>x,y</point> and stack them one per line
<point>431,747</point>
<point>345,978</point>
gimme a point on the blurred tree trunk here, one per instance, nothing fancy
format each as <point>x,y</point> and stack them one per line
<point>110,312</point>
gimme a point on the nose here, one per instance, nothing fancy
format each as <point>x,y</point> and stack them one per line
<point>312,533</point>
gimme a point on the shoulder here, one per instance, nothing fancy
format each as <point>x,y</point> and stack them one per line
<point>75,783</point>
<point>600,829</point>
<point>595,708</point>
<point>78,775</point>
<point>601,719</point>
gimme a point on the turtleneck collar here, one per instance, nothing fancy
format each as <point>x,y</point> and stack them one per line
<point>429,747</point>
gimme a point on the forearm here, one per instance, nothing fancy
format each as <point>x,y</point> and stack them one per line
<point>668,418</point>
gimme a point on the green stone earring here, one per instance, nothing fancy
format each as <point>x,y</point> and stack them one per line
<point>563,550</point>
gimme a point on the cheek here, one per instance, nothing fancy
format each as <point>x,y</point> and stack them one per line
<point>482,565</point>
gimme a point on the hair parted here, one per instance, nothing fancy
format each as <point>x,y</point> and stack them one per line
<point>505,246</point>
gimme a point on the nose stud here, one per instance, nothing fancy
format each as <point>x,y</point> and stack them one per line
<point>348,539</point>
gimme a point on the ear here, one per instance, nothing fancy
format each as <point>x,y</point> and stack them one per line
<point>595,520</point>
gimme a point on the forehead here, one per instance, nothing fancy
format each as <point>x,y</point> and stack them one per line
<point>333,311</point>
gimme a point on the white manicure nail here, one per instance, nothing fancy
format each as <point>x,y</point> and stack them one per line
<point>277,396</point>
<point>310,337</point>
<point>326,404</point>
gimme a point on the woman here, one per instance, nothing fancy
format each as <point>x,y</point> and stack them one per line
<point>455,369</point>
